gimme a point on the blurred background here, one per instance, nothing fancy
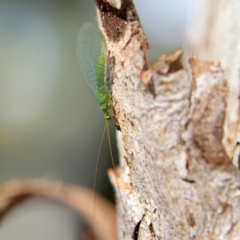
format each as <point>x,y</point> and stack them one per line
<point>50,123</point>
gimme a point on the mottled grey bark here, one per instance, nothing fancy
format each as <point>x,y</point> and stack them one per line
<point>176,130</point>
<point>177,133</point>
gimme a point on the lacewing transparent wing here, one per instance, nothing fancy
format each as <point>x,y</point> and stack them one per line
<point>91,53</point>
<point>89,48</point>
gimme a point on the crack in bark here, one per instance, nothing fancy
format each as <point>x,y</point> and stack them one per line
<point>136,229</point>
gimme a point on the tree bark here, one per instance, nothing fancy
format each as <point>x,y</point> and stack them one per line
<point>178,135</point>
<point>176,131</point>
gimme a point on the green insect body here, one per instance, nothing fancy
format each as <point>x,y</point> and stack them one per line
<point>92,60</point>
<point>103,97</point>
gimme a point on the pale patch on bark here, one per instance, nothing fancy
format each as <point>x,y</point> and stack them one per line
<point>215,35</point>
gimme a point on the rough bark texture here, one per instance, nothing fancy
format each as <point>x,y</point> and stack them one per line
<point>215,35</point>
<point>176,131</point>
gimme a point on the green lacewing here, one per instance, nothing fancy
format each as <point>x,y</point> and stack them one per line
<point>92,60</point>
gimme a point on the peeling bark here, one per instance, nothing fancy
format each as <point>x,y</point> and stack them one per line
<point>215,35</point>
<point>175,137</point>
<point>177,131</point>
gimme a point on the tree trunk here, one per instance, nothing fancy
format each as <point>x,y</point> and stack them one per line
<point>176,131</point>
